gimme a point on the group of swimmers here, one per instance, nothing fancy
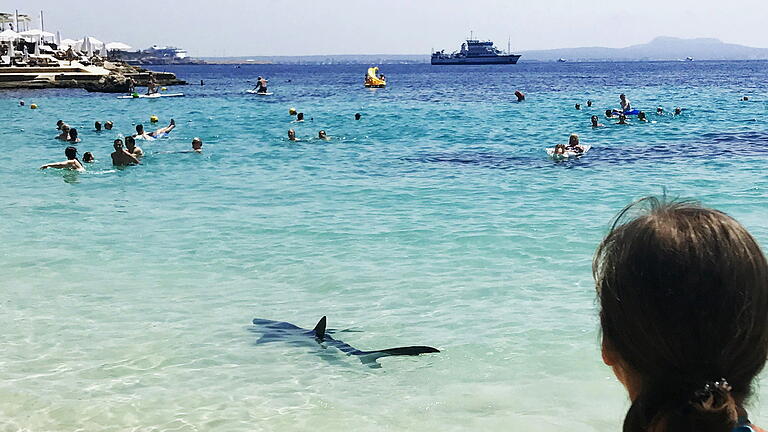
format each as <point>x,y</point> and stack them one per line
<point>126,151</point>
<point>321,135</point>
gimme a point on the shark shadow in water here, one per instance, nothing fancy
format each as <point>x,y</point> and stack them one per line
<point>274,331</point>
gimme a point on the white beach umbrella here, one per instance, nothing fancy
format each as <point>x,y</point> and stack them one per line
<point>117,46</point>
<point>68,43</point>
<point>58,38</point>
<point>11,53</point>
<point>37,46</point>
<point>25,54</point>
<point>35,33</point>
<point>90,49</point>
<point>9,35</point>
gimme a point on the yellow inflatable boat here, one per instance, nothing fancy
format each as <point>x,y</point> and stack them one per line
<point>373,79</point>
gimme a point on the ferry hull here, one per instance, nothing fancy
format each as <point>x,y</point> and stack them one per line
<point>508,59</point>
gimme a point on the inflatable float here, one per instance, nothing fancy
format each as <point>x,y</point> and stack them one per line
<point>373,80</point>
<point>568,153</point>
<point>151,96</point>
<point>627,113</point>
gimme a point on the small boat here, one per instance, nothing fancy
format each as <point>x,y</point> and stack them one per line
<point>561,60</point>
<point>373,79</point>
<point>151,96</point>
<point>689,59</point>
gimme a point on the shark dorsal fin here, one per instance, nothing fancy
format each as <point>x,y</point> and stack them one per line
<point>319,329</point>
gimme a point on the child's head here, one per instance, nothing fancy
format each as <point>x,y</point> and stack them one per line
<point>683,292</point>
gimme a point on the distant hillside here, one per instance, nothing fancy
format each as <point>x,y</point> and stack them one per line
<point>661,48</point>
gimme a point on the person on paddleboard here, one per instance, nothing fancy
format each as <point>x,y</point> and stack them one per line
<point>261,85</point>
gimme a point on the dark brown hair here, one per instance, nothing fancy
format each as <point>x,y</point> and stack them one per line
<point>684,304</point>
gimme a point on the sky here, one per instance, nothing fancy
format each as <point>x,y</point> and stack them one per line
<point>317,27</point>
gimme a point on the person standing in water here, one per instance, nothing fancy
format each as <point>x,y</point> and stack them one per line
<point>72,162</point>
<point>595,123</point>
<point>132,148</point>
<point>683,298</point>
<point>151,84</point>
<point>120,157</point>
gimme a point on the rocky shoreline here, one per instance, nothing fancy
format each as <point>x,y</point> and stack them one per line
<point>114,77</point>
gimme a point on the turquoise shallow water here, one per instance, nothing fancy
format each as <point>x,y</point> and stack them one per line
<point>437,219</point>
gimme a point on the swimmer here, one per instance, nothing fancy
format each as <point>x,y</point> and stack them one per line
<point>609,114</point>
<point>59,124</point>
<point>578,106</point>
<point>683,298</point>
<point>120,157</point>
<point>73,136</point>
<point>678,111</point>
<point>358,116</point>
<point>72,163</point>
<point>745,98</point>
<point>197,145</point>
<point>300,117</point>
<point>595,123</point>
<point>520,95</point>
<point>659,111</point>
<point>622,120</point>
<point>625,104</point>
<point>21,102</point>
<point>321,135</point>
<point>292,135</point>
<point>141,134</point>
<point>108,125</point>
<point>97,126</point>
<point>641,117</point>
<point>130,145</point>
<point>88,157</point>
<point>559,150</point>
<point>64,135</point>
<point>573,144</point>
<point>589,103</point>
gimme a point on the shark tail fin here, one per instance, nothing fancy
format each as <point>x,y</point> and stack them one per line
<point>370,357</point>
<point>319,329</point>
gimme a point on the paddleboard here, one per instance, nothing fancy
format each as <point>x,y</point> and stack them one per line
<point>152,96</point>
<point>259,94</point>
<point>568,154</point>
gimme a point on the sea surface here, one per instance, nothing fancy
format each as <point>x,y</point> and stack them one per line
<point>127,295</point>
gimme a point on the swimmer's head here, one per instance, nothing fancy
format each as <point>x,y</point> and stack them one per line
<point>357,116</point>
<point>108,125</point>
<point>197,144</point>
<point>65,128</point>
<point>659,110</point>
<point>322,135</point>
<point>97,125</point>
<point>678,110</point>
<point>118,144</point>
<point>745,98</point>
<point>59,124</point>
<point>291,134</point>
<point>573,140</point>
<point>130,142</point>
<point>140,129</point>
<point>578,106</point>
<point>589,103</point>
<point>608,113</point>
<point>88,157</point>
<point>70,152</point>
<point>594,120</point>
<point>73,134</point>
<point>300,116</point>
<point>21,102</point>
<point>622,96</point>
<point>641,115</point>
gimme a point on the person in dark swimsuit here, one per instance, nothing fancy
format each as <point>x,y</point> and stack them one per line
<point>683,295</point>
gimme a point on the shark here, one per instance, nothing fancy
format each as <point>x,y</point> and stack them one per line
<point>274,331</point>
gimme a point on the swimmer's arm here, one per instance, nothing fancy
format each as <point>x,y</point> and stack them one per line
<point>133,158</point>
<point>66,164</point>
